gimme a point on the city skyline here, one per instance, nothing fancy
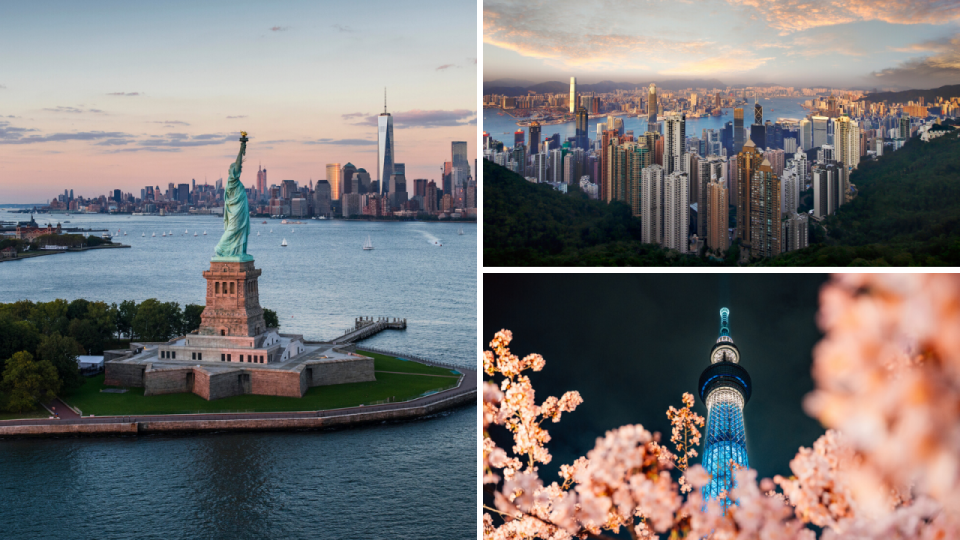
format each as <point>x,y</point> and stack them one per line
<point>860,44</point>
<point>104,97</point>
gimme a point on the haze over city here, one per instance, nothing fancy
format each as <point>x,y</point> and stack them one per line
<point>856,44</point>
<point>104,96</point>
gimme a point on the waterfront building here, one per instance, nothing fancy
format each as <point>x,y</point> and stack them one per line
<point>724,388</point>
<point>385,155</point>
<point>534,129</point>
<point>581,140</point>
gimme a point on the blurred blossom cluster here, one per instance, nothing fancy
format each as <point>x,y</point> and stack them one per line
<point>887,376</point>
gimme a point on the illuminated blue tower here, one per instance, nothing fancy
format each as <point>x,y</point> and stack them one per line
<point>724,388</point>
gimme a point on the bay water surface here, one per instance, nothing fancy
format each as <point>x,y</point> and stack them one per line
<point>409,480</point>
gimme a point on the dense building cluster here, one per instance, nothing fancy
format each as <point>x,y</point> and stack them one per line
<point>743,183</point>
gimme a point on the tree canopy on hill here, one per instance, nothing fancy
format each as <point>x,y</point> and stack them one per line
<point>526,224</point>
<point>907,212</point>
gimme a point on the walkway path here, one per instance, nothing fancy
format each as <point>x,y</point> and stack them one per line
<point>59,407</point>
<point>468,385</point>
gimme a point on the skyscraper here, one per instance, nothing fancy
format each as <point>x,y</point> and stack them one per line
<point>534,129</point>
<point>385,146</point>
<point>581,140</point>
<point>262,179</point>
<point>738,134</point>
<point>573,94</point>
<point>765,227</point>
<point>652,104</point>
<point>806,134</point>
<point>676,142</point>
<point>333,178</point>
<point>676,211</point>
<point>757,111</point>
<point>651,201</point>
<point>747,162</point>
<point>717,216</point>
<point>725,388</point>
<point>847,137</point>
<point>819,131</point>
<point>458,151</point>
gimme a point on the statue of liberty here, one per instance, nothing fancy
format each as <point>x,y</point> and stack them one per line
<point>236,214</point>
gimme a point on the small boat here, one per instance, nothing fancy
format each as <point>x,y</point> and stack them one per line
<point>124,234</point>
<point>204,233</point>
<point>460,232</point>
<point>154,235</point>
<point>164,234</point>
<point>143,234</point>
<point>258,233</point>
<point>186,231</point>
<point>194,233</point>
<point>368,244</point>
<point>263,222</point>
<point>271,230</point>
<point>284,243</point>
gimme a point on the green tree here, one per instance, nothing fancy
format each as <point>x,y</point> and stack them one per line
<point>16,336</point>
<point>77,309</point>
<point>85,333</point>
<point>125,314</point>
<point>270,317</point>
<point>50,317</point>
<point>27,382</point>
<point>191,318</point>
<point>157,321</point>
<point>62,352</point>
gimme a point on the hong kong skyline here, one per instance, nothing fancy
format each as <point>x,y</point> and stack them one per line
<point>858,44</point>
<point>105,96</point>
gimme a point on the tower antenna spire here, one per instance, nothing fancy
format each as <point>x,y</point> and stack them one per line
<point>724,322</point>
<point>384,100</point>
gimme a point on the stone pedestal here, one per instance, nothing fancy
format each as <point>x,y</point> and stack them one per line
<point>233,301</point>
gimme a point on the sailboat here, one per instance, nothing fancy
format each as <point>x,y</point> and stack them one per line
<point>460,232</point>
<point>164,234</point>
<point>186,231</point>
<point>284,243</point>
<point>368,244</point>
<point>258,233</point>
<point>204,233</point>
<point>154,235</point>
<point>143,235</point>
<point>194,233</point>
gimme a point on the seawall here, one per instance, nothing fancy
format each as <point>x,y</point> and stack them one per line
<point>464,395</point>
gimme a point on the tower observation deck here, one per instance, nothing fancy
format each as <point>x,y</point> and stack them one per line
<point>724,388</point>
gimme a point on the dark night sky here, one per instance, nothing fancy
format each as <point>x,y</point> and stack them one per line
<point>631,344</point>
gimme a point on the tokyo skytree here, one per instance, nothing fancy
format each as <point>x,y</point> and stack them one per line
<point>724,388</point>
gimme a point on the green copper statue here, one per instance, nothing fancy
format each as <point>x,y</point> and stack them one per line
<point>236,214</point>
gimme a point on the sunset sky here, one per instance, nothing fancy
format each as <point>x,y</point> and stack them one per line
<point>849,43</point>
<point>96,96</point>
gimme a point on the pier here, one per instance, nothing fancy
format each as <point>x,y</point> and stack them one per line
<point>365,327</point>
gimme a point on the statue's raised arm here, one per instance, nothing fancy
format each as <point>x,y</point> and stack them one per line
<point>236,212</point>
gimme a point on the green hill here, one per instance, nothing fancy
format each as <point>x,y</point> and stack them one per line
<point>526,224</point>
<point>907,212</point>
<point>945,92</point>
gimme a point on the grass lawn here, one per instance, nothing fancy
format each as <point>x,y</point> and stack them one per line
<point>90,400</point>
<point>39,413</point>
<point>389,363</point>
